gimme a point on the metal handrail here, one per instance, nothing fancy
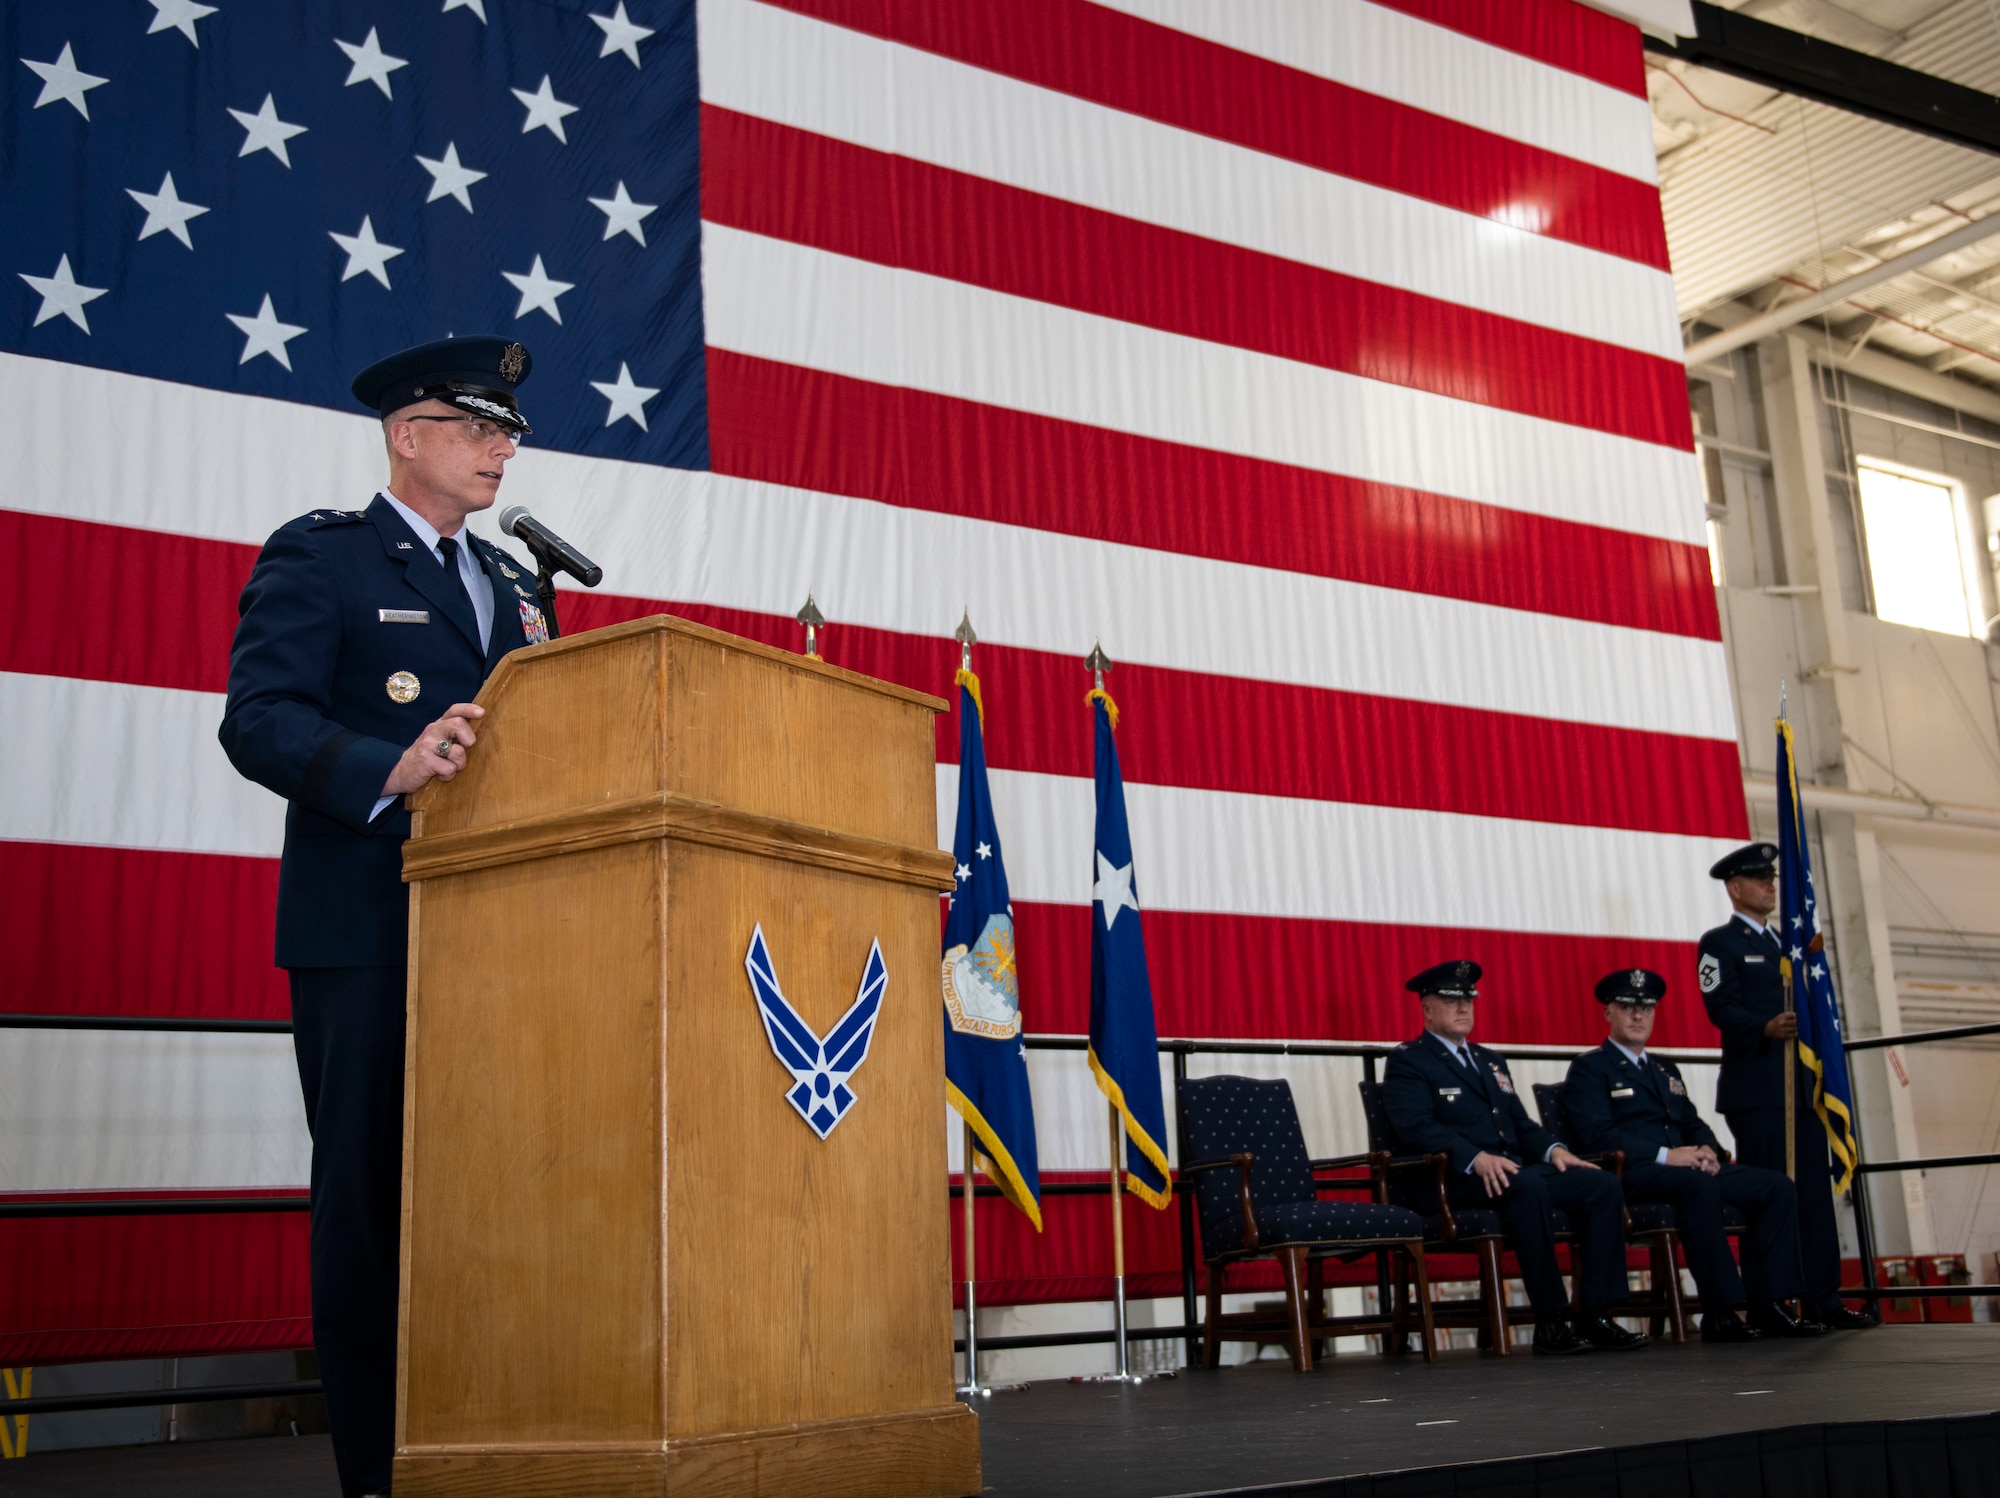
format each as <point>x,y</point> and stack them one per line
<point>1935,1162</point>
<point>154,1206</point>
<point>138,1399</point>
<point>159,1023</point>
<point>1920,1037</point>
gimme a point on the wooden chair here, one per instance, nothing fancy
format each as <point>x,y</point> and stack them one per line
<point>1418,1182</point>
<point>1257,1196</point>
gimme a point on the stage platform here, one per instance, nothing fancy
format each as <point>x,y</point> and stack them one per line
<point>1902,1410</point>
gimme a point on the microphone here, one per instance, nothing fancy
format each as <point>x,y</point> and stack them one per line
<point>554,553</point>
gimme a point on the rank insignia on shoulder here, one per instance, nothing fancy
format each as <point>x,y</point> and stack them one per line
<point>403,687</point>
<point>533,625</point>
<point>1710,973</point>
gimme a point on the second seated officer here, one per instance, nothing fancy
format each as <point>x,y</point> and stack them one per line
<point>1744,992</point>
<point>1621,1097</point>
<point>1449,1097</point>
<point>363,636</point>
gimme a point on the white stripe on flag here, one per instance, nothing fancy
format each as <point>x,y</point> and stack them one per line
<point>781,66</point>
<point>798,305</point>
<point>86,1110</point>
<point>702,538</point>
<point>1433,68</point>
<point>1229,853</point>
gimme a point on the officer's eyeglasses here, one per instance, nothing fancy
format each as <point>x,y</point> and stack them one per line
<point>477,428</point>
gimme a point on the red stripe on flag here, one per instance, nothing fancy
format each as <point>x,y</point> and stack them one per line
<point>1188,728</point>
<point>82,602</point>
<point>836,435</point>
<point>136,931</point>
<point>84,1288</point>
<point>1132,65</point>
<point>809,189</point>
<point>1561,33</point>
<point>1225,733</point>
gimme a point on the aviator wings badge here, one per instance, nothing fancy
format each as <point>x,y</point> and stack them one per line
<point>820,1068</point>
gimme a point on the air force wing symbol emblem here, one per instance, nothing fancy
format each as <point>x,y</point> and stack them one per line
<point>820,1068</point>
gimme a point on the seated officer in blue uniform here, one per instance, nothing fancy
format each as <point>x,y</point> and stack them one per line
<point>363,637</point>
<point>1744,992</point>
<point>1446,1096</point>
<point>1620,1098</point>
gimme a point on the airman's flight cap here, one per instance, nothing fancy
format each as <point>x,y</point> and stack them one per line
<point>1632,985</point>
<point>1757,860</point>
<point>1458,979</point>
<point>477,375</point>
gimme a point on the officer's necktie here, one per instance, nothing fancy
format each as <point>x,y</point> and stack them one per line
<point>448,549</point>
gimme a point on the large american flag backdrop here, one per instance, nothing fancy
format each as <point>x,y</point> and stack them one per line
<point>1317,356</point>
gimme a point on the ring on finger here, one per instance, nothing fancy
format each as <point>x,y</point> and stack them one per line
<point>444,748</point>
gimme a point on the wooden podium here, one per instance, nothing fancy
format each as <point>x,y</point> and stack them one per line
<point>630,1266</point>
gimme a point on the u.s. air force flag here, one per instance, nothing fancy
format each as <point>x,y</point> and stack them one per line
<point>1809,975</point>
<point>1124,1045</point>
<point>985,1064</point>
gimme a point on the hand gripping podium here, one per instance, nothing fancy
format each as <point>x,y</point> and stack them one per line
<point>671,1226</point>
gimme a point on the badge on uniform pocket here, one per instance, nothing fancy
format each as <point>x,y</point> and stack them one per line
<point>1450,1094</point>
<point>403,687</point>
<point>533,625</point>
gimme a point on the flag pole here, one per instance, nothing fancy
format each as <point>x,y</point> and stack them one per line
<point>1118,1244</point>
<point>1791,1002</point>
<point>971,1385</point>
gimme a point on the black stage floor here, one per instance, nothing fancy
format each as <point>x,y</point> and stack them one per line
<point>1264,1428</point>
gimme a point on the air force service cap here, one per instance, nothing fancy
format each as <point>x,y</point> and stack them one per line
<point>1757,860</point>
<point>477,375</point>
<point>1458,979</point>
<point>1632,985</point>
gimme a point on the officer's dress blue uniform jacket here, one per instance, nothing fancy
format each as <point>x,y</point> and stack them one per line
<point>1614,1103</point>
<point>1438,1105</point>
<point>309,714</point>
<point>1743,989</point>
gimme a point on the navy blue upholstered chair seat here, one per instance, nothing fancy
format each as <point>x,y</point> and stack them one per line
<point>1648,1217</point>
<point>1256,1196</point>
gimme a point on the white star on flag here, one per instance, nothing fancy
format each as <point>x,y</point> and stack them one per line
<point>264,131</point>
<point>622,215</point>
<point>1797,953</point>
<point>620,35</point>
<point>450,179</point>
<point>477,7</point>
<point>627,399</point>
<point>264,334</point>
<point>1113,890</point>
<point>984,850</point>
<point>365,253</point>
<point>371,63</point>
<point>964,872</point>
<point>545,110</point>
<point>63,80</point>
<point>166,212</point>
<point>62,296</point>
<point>178,15</point>
<point>539,291</point>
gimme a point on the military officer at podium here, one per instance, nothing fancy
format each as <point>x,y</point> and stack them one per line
<point>363,636</point>
<point>1744,992</point>
<point>1622,1097</point>
<point>1444,1095</point>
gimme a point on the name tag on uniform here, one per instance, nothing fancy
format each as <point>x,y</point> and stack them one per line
<point>404,616</point>
<point>1449,1093</point>
<point>1621,1092</point>
<point>1748,957</point>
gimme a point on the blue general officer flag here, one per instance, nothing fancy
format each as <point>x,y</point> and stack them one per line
<point>1124,1045</point>
<point>1808,974</point>
<point>985,1063</point>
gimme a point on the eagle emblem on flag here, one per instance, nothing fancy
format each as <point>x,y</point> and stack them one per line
<point>982,992</point>
<point>820,1068</point>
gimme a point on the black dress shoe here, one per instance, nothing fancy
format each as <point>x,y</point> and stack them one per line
<point>1838,1318</point>
<point>1556,1338</point>
<point>1727,1326</point>
<point>1606,1335</point>
<point>1773,1320</point>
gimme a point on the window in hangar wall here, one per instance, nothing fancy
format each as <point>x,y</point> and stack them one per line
<point>1922,566</point>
